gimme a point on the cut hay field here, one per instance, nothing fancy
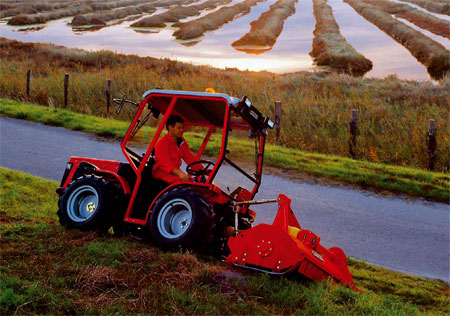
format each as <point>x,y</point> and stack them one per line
<point>273,35</point>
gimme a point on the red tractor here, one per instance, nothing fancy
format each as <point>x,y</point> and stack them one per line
<point>206,211</point>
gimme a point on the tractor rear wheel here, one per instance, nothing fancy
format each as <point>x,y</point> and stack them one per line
<point>182,217</point>
<point>88,204</point>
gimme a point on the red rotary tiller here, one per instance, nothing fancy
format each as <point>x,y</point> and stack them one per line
<point>284,247</point>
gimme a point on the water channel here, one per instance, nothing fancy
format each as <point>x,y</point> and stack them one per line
<point>289,54</point>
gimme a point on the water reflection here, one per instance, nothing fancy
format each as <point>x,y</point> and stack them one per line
<point>290,53</point>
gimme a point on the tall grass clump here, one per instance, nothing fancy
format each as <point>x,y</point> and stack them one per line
<point>329,46</point>
<point>213,21</point>
<point>428,52</point>
<point>265,30</point>
<point>418,17</point>
<point>436,6</point>
<point>316,107</point>
<point>177,13</point>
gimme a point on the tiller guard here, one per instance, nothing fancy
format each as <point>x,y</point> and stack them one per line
<point>285,247</point>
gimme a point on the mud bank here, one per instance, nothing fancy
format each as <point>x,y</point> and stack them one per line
<point>430,53</point>
<point>330,48</point>
<point>177,13</point>
<point>265,31</point>
<point>213,21</point>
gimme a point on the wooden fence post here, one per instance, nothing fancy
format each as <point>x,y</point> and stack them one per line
<point>277,119</point>
<point>432,144</point>
<point>108,96</point>
<point>353,132</point>
<point>28,82</point>
<point>66,90</point>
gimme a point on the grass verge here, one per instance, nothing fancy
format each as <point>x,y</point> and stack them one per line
<point>46,269</point>
<point>329,46</point>
<point>428,52</point>
<point>213,21</point>
<point>414,182</point>
<point>265,31</point>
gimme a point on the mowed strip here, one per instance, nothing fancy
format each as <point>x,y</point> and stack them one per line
<point>329,46</point>
<point>265,31</point>
<point>421,19</point>
<point>213,21</point>
<point>177,13</point>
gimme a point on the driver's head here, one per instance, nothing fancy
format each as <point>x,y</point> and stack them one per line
<point>175,126</point>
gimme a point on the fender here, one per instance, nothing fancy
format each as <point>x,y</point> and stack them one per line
<point>78,166</point>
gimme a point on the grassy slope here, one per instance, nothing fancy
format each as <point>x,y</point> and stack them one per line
<point>414,182</point>
<point>46,269</point>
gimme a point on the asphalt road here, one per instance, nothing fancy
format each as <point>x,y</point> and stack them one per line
<point>408,235</point>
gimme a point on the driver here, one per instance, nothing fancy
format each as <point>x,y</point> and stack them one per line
<point>169,151</point>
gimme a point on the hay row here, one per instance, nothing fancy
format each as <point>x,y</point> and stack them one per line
<point>329,46</point>
<point>177,13</point>
<point>78,8</point>
<point>430,53</point>
<point>436,6</point>
<point>213,21</point>
<point>419,18</point>
<point>265,31</point>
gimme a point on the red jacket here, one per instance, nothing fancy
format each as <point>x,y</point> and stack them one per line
<point>168,157</point>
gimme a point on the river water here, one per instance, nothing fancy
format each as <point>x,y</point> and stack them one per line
<point>290,53</point>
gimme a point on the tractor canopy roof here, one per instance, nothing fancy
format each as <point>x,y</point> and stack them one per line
<point>208,109</point>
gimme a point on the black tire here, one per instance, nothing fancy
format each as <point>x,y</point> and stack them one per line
<point>182,217</point>
<point>89,203</point>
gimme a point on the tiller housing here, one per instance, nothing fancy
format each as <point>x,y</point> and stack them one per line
<point>284,247</point>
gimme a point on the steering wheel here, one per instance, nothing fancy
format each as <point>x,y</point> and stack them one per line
<point>201,172</point>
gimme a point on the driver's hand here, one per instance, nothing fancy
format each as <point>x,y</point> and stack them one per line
<point>184,177</point>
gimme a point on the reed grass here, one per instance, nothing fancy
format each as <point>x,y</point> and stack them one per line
<point>430,53</point>
<point>175,14</point>
<point>436,6</point>
<point>265,30</point>
<point>316,108</point>
<point>419,18</point>
<point>213,21</point>
<point>329,46</point>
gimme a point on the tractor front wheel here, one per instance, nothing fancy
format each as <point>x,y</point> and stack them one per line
<point>88,204</point>
<point>182,217</point>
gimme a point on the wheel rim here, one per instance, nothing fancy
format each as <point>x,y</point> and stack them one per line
<point>174,218</point>
<point>82,203</point>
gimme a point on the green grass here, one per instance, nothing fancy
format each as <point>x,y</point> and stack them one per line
<point>382,177</point>
<point>47,269</point>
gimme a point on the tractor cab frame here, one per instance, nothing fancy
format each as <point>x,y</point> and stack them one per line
<point>133,195</point>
